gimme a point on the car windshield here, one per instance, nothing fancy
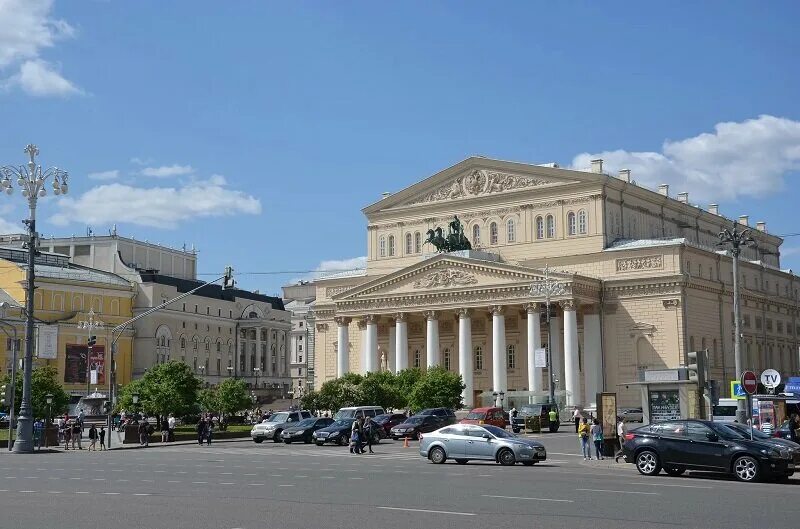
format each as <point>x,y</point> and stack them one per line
<point>343,422</point>
<point>499,432</point>
<point>476,415</point>
<point>744,432</point>
<point>278,417</point>
<point>380,419</point>
<point>305,423</point>
<point>345,414</point>
<point>415,420</point>
<point>427,411</point>
<point>530,410</point>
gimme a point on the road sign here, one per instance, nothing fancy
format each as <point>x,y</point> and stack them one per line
<point>749,382</point>
<point>737,391</point>
<point>770,378</point>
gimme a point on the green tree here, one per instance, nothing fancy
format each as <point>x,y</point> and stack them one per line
<point>381,389</point>
<point>44,380</point>
<point>232,396</point>
<point>438,387</point>
<point>311,401</point>
<point>340,392</point>
<point>405,381</point>
<point>208,400</point>
<point>165,388</point>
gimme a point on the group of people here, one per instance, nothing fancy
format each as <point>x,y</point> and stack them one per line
<point>591,434</point>
<point>205,429</point>
<point>361,433</point>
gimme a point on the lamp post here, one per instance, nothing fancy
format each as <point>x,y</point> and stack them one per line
<point>49,398</point>
<point>230,371</point>
<point>31,180</point>
<point>135,399</point>
<point>257,371</point>
<point>90,325</point>
<point>548,288</point>
<point>737,239</point>
<point>502,396</point>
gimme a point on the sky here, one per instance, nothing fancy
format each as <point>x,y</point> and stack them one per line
<point>257,131</point>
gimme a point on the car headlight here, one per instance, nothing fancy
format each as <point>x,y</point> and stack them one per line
<point>772,452</point>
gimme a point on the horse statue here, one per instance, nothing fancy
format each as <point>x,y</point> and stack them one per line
<point>455,240</point>
<point>436,238</point>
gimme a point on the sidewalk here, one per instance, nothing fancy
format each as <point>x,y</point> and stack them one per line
<point>117,445</point>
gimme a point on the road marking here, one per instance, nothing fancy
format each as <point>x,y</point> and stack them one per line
<point>671,485</point>
<point>286,485</point>
<point>81,492</point>
<point>111,493</point>
<point>54,492</point>
<point>620,491</point>
<point>299,476</point>
<point>250,474</point>
<point>199,482</point>
<point>326,477</point>
<point>226,473</point>
<point>276,475</point>
<point>426,511</point>
<point>227,483</point>
<point>173,481</point>
<point>143,494</point>
<point>355,478</point>
<point>256,484</point>
<point>27,491</point>
<point>523,498</point>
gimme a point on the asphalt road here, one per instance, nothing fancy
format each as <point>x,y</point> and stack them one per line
<point>244,485</point>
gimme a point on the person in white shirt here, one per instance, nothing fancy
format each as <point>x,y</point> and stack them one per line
<point>171,428</point>
<point>621,438</point>
<point>576,417</point>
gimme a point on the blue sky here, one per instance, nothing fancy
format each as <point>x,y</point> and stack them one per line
<point>258,130</point>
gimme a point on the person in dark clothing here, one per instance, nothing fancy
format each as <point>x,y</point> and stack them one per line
<point>102,438</point>
<point>369,428</point>
<point>144,433</point>
<point>93,437</point>
<point>164,429</point>
<point>201,431</point>
<point>209,430</point>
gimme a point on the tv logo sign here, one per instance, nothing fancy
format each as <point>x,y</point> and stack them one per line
<point>770,378</point>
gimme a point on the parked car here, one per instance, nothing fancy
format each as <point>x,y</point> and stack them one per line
<point>680,445</point>
<point>744,430</point>
<point>467,441</point>
<point>446,415</point>
<point>782,432</point>
<point>359,411</point>
<point>338,433</point>
<point>493,416</point>
<point>304,430</point>
<point>271,428</point>
<point>416,425</point>
<point>631,414</point>
<point>389,420</point>
<point>536,410</point>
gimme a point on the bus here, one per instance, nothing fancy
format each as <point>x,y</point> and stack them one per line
<point>725,411</point>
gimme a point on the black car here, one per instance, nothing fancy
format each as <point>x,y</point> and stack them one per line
<point>339,433</point>
<point>413,426</point>
<point>535,410</point>
<point>304,430</point>
<point>680,445</point>
<point>445,415</point>
<point>746,431</point>
<point>387,421</point>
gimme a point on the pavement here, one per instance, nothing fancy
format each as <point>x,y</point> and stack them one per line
<point>243,485</point>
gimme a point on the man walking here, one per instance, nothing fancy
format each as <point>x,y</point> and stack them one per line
<point>38,429</point>
<point>93,437</point>
<point>77,433</point>
<point>201,431</point>
<point>369,428</point>
<point>620,438</point>
<point>576,417</point>
<point>102,437</point>
<point>144,437</point>
<point>171,428</point>
<point>164,429</point>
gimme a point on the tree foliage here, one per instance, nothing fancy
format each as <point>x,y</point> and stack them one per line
<point>207,398</point>
<point>164,388</point>
<point>437,388</point>
<point>232,396</point>
<point>44,380</point>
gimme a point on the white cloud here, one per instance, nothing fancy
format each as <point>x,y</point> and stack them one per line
<point>160,207</point>
<point>141,161</point>
<point>166,171</point>
<point>339,265</point>
<point>26,28</point>
<point>7,227</point>
<point>748,158</point>
<point>104,175</point>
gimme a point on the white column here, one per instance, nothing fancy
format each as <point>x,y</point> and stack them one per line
<point>432,343</point>
<point>592,356</point>
<point>362,362</point>
<point>391,359</point>
<point>499,369</point>
<point>571,362</point>
<point>556,357</point>
<point>401,339</point>
<point>258,349</point>
<point>534,342</point>
<point>343,347</point>
<point>465,356</point>
<point>371,352</point>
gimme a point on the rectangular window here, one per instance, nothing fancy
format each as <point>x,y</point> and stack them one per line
<point>746,320</point>
<point>512,357</point>
<point>758,323</point>
<point>769,324</point>
<point>479,358</point>
<point>300,348</point>
<point>300,359</point>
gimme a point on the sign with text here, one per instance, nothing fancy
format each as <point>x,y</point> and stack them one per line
<point>75,368</point>
<point>665,405</point>
<point>47,342</point>
<point>770,378</point>
<point>540,357</point>
<point>661,375</point>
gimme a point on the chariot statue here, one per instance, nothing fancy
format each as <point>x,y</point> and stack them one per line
<point>455,240</point>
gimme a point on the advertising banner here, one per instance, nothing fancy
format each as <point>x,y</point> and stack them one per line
<point>75,365</point>
<point>664,405</point>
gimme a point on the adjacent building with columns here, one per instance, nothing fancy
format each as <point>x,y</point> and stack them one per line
<point>633,276</point>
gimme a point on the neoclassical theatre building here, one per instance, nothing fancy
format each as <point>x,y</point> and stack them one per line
<point>634,275</point>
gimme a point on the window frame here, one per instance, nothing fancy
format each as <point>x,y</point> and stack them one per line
<point>511,231</point>
<point>494,234</point>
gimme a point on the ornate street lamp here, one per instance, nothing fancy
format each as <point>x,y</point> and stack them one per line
<point>31,179</point>
<point>49,399</point>
<point>90,325</point>
<point>548,288</point>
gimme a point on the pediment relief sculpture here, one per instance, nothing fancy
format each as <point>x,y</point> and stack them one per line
<point>448,277</point>
<point>476,183</point>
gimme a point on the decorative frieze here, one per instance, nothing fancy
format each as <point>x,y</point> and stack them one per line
<point>670,303</point>
<point>635,264</point>
<point>447,277</point>
<point>322,327</point>
<point>478,183</point>
<point>332,291</point>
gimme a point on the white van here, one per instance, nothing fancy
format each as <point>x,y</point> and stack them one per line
<point>725,411</point>
<point>355,412</point>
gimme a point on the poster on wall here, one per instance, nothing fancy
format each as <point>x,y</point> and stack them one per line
<point>665,405</point>
<point>75,364</point>
<point>47,342</point>
<point>540,357</point>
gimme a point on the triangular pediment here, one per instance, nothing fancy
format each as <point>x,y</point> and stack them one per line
<point>480,177</point>
<point>447,272</point>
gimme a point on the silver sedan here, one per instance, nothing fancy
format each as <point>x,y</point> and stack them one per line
<point>463,442</point>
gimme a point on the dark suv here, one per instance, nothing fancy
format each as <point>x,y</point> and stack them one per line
<point>535,410</point>
<point>445,415</point>
<point>680,445</point>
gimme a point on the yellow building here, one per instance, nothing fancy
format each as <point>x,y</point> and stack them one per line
<point>65,294</point>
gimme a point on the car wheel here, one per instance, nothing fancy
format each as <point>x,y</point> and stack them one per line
<point>307,441</point>
<point>287,441</point>
<point>528,463</point>
<point>343,441</point>
<point>320,444</point>
<point>277,437</point>
<point>647,463</point>
<point>461,461</point>
<point>437,455</point>
<point>674,471</point>
<point>745,468</point>
<point>258,440</point>
<point>506,457</point>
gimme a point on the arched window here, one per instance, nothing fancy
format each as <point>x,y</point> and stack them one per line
<point>478,357</point>
<point>183,342</point>
<point>512,357</point>
<point>391,245</point>
<point>409,247</point>
<point>382,246</point>
<point>572,227</point>
<point>551,227</point>
<point>582,221</point>
<point>476,235</point>
<point>539,228</point>
<point>493,233</point>
<point>511,233</point>
<point>417,243</point>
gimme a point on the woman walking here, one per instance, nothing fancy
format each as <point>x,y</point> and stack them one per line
<point>583,435</point>
<point>201,431</point>
<point>596,432</point>
<point>355,439</point>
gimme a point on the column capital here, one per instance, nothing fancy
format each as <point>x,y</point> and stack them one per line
<point>401,316</point>
<point>568,305</point>
<point>322,327</point>
<point>532,308</point>
<point>464,313</point>
<point>342,320</point>
<point>431,315</point>
<point>496,309</point>
<point>362,324</point>
<point>371,318</point>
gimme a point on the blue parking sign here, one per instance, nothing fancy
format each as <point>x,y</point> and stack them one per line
<point>737,391</point>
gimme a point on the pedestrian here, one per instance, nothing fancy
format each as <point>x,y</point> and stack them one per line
<point>620,438</point>
<point>369,428</point>
<point>596,432</point>
<point>93,437</point>
<point>583,435</point>
<point>81,416</point>
<point>201,431</point>
<point>552,415</point>
<point>164,429</point>
<point>67,435</point>
<point>102,437</point>
<point>77,433</point>
<point>209,431</point>
<point>576,417</point>
<point>38,429</point>
<point>171,428</point>
<point>355,439</point>
<point>60,423</point>
<point>144,433</point>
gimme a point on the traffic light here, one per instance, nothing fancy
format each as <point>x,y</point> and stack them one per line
<point>228,281</point>
<point>5,395</point>
<point>696,365</point>
<point>107,407</point>
<point>713,392</point>
<point>92,340</point>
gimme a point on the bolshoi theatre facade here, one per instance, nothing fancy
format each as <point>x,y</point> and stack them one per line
<point>633,277</point>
